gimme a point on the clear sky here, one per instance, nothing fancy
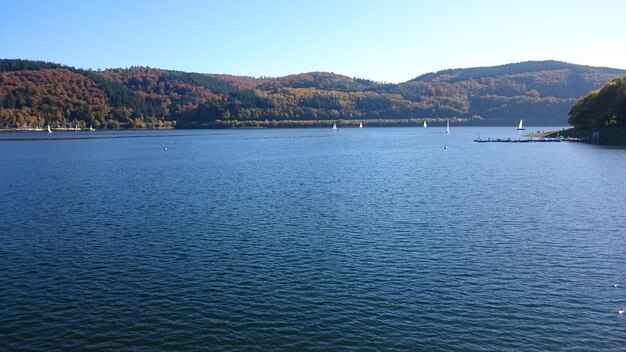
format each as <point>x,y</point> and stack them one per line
<point>386,40</point>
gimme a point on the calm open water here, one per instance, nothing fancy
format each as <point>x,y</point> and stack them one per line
<point>305,239</point>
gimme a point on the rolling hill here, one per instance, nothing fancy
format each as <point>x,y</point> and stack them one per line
<point>542,92</point>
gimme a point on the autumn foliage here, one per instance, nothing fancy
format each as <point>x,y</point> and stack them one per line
<point>602,108</point>
<point>34,92</point>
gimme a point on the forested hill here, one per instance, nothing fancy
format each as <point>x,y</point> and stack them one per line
<point>602,108</point>
<point>542,92</point>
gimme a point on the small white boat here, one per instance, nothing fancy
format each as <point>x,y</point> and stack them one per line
<point>425,124</point>
<point>49,130</point>
<point>334,127</point>
<point>91,128</point>
<point>520,127</point>
<point>360,124</point>
<point>448,126</point>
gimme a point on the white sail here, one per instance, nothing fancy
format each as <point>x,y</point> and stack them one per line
<point>447,126</point>
<point>425,125</point>
<point>521,125</point>
<point>360,124</point>
<point>334,127</point>
<point>49,130</point>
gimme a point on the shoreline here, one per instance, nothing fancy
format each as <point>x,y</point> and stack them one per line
<point>542,134</point>
<point>4,130</point>
<point>325,124</point>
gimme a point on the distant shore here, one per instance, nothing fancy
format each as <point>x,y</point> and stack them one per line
<point>606,136</point>
<point>278,124</point>
<point>87,130</point>
<point>615,136</point>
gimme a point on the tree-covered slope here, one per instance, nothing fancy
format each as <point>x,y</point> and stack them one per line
<point>33,92</point>
<point>602,108</point>
<point>542,92</point>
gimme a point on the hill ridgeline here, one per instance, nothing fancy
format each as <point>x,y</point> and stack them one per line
<point>40,93</point>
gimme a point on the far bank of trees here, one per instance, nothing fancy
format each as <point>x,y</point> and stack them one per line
<point>35,92</point>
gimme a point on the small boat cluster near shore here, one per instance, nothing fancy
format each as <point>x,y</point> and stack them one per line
<point>529,140</point>
<point>28,128</point>
<point>538,137</point>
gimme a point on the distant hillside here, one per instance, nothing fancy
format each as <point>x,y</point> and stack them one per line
<point>542,92</point>
<point>33,92</point>
<point>39,93</point>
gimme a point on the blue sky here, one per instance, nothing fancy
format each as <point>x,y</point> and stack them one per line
<point>388,40</point>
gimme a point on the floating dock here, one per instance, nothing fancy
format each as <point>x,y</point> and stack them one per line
<point>527,140</point>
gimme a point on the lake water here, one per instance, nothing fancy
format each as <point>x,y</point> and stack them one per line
<point>305,239</point>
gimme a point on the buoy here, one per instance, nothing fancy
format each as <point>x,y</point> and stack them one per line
<point>445,147</point>
<point>165,148</point>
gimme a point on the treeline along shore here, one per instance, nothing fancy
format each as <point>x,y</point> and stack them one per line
<point>42,93</point>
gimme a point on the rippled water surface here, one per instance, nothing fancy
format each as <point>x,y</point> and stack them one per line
<point>363,239</point>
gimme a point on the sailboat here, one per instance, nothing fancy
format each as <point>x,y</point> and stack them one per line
<point>520,127</point>
<point>334,127</point>
<point>425,125</point>
<point>448,126</point>
<point>91,128</point>
<point>49,130</point>
<point>360,124</point>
